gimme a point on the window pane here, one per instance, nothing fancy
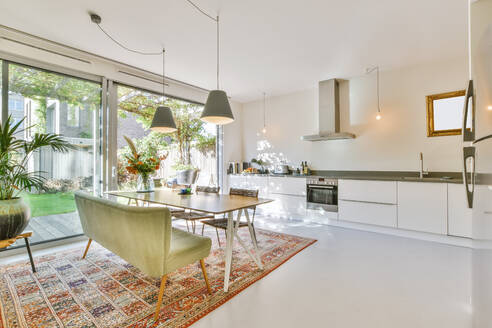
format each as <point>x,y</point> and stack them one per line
<point>55,103</point>
<point>193,146</point>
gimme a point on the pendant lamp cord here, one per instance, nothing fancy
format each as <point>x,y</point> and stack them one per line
<point>218,52</point>
<point>369,71</point>
<point>264,109</point>
<point>163,76</point>
<point>215,19</point>
<point>125,47</point>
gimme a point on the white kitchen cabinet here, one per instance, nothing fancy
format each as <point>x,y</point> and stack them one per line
<point>287,186</point>
<point>422,206</point>
<point>367,191</point>
<point>459,215</point>
<point>369,213</point>
<point>236,181</point>
<point>288,206</point>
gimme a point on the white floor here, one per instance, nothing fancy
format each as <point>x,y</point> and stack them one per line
<point>351,278</point>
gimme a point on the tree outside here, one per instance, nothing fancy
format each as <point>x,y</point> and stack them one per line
<point>191,146</point>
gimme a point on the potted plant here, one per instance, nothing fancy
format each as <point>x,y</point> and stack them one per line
<point>15,177</point>
<point>142,165</point>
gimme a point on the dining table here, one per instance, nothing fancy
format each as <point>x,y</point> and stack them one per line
<point>233,206</point>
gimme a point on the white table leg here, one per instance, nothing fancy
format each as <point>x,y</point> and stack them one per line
<point>228,249</point>
<point>251,231</point>
<point>253,238</point>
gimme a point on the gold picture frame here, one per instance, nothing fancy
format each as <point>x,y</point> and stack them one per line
<point>431,132</point>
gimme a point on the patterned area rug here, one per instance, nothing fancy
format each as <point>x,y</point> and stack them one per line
<point>105,291</point>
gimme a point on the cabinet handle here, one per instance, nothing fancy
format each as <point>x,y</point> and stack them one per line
<point>469,152</point>
<point>469,134</point>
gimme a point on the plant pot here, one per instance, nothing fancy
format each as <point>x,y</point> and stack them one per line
<point>14,217</point>
<point>186,177</point>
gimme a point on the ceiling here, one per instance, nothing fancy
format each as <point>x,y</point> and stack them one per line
<point>272,46</point>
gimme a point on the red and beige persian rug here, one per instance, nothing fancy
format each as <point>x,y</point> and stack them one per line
<point>105,291</point>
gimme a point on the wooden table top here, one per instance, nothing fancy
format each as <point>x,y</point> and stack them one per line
<point>203,202</point>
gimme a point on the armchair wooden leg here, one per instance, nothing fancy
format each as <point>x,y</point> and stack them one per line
<point>159,299</point>
<point>87,248</point>
<point>202,263</point>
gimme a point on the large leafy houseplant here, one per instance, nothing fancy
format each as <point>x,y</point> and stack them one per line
<point>15,176</point>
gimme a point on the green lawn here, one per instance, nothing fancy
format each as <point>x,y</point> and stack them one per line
<point>46,204</point>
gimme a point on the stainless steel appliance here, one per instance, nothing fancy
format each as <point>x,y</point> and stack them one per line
<point>477,157</point>
<point>281,169</point>
<point>322,193</point>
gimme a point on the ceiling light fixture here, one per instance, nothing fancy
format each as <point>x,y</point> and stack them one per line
<point>264,130</point>
<point>217,109</point>
<point>163,120</point>
<point>369,71</point>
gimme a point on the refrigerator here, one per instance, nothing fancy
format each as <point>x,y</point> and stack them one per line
<point>477,157</point>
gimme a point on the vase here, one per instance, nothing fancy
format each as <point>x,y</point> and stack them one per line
<point>14,217</point>
<point>145,183</point>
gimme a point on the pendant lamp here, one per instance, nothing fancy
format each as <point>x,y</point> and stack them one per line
<point>217,109</point>
<point>369,71</point>
<point>163,120</point>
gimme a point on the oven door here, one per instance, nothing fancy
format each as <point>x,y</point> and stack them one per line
<point>322,197</point>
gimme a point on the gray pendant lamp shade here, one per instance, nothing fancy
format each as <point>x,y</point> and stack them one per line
<point>217,109</point>
<point>163,120</point>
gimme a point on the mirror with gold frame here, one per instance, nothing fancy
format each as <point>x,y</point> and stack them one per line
<point>445,113</point>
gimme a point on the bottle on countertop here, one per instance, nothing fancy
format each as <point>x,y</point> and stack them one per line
<point>306,169</point>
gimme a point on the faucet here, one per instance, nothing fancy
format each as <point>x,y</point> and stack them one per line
<point>422,172</point>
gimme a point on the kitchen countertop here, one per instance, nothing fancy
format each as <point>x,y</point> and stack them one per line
<point>435,177</point>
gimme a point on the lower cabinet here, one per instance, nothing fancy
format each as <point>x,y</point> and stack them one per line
<point>289,206</point>
<point>422,207</point>
<point>459,215</point>
<point>369,213</point>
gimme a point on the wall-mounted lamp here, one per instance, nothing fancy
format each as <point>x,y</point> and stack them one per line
<point>369,71</point>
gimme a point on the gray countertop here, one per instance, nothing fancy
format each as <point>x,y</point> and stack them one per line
<point>436,177</point>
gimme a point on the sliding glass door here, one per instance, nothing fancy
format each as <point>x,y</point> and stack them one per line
<point>48,102</point>
<point>193,146</point>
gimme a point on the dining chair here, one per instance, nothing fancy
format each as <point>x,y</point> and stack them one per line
<point>222,222</point>
<point>193,216</point>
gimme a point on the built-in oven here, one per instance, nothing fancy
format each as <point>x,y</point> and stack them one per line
<point>322,193</point>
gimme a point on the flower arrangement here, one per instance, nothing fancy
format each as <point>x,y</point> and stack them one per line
<point>143,166</point>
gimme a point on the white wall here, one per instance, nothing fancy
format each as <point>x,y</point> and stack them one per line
<point>390,144</point>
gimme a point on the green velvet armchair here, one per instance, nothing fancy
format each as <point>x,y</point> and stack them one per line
<point>142,236</point>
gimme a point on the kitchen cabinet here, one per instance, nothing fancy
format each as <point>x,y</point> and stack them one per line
<point>367,191</point>
<point>287,186</point>
<point>369,213</point>
<point>459,215</point>
<point>422,207</point>
<point>287,206</point>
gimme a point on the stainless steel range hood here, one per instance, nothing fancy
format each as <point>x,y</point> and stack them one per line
<point>329,114</point>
